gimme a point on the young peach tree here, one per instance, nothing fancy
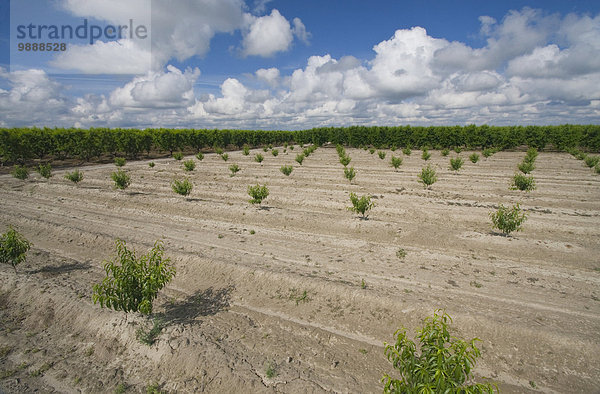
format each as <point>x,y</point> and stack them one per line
<point>131,283</point>
<point>443,363</point>
<point>13,248</point>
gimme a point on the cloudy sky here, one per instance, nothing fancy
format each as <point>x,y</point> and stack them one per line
<point>290,64</point>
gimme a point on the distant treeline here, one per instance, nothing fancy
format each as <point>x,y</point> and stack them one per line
<point>18,145</point>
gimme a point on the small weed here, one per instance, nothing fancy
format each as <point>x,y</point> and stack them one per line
<point>476,284</point>
<point>153,388</point>
<point>224,156</point>
<point>445,152</point>
<point>177,155</point>
<point>120,161</point>
<point>252,232</point>
<point>149,337</point>
<point>89,351</point>
<point>363,284</point>
<point>259,158</point>
<point>381,155</point>
<point>265,149</point>
<point>271,370</point>
<point>487,152</point>
<point>6,373</point>
<point>220,236</point>
<point>371,150</point>
<point>246,150</point>
<point>401,253</point>
<point>474,158</point>
<point>300,158</point>
<point>406,151</point>
<point>425,155</point>
<point>151,164</point>
<point>294,296</point>
<point>363,351</point>
<point>532,384</point>
<point>219,151</point>
<point>275,152</point>
<point>458,149</point>
<point>121,388</point>
<point>200,156</point>
<point>4,351</point>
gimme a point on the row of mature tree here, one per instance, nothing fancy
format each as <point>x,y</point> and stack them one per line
<point>18,145</point>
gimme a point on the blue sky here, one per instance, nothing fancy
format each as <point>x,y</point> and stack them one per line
<point>284,64</point>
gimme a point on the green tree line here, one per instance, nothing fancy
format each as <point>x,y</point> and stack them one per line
<point>18,145</point>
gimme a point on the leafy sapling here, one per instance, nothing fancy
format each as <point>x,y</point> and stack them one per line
<point>234,168</point>
<point>456,163</point>
<point>474,157</point>
<point>20,172</point>
<point>522,182</point>
<point>121,178</point>
<point>45,170</point>
<point>189,165</point>
<point>131,283</point>
<point>443,363</point>
<point>183,187</point>
<point>396,162</point>
<point>345,160</point>
<point>349,173</point>
<point>427,176</point>
<point>286,170</point>
<point>258,193</point>
<point>13,248</point>
<point>76,176</point>
<point>259,158</point>
<point>507,219</point>
<point>361,205</point>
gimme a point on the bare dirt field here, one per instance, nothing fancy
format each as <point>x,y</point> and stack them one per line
<point>279,287</point>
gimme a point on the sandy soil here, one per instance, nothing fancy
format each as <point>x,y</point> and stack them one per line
<point>235,306</point>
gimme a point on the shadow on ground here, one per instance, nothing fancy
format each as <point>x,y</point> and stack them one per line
<point>201,303</point>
